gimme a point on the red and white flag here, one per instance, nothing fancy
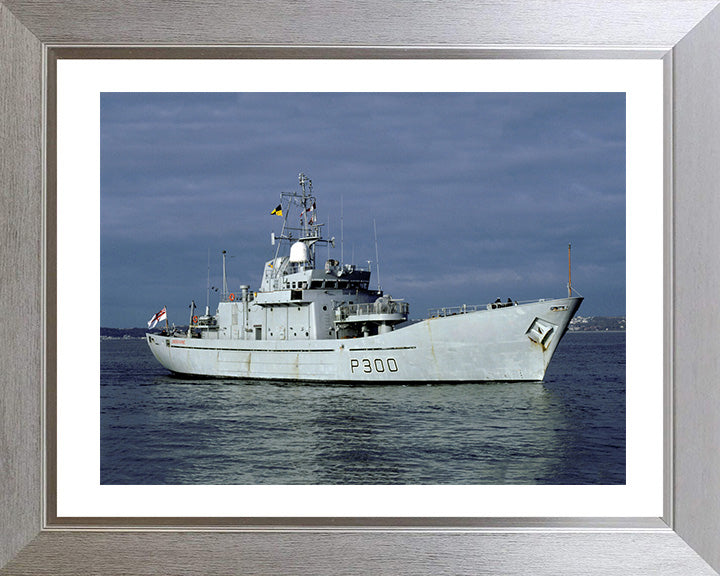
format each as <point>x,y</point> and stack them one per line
<point>162,315</point>
<point>308,209</point>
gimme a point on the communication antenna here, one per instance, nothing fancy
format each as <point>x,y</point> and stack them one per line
<point>342,234</point>
<point>377,258</point>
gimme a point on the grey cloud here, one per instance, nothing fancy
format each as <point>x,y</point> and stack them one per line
<point>479,191</point>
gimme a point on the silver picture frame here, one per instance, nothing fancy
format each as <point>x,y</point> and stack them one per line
<point>684,34</point>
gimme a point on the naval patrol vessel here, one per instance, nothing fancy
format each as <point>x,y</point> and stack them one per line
<point>315,322</point>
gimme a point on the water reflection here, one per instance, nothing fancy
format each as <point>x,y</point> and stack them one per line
<point>158,429</point>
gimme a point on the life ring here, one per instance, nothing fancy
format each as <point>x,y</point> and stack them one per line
<point>231,297</point>
<point>194,319</point>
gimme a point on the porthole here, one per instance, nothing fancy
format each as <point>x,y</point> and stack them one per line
<point>324,307</point>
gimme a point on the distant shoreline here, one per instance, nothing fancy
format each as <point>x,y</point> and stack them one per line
<point>597,331</point>
<point>597,324</point>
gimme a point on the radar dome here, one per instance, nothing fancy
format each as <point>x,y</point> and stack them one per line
<point>299,252</point>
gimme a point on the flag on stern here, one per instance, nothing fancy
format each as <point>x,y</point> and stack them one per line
<point>277,210</point>
<point>162,315</point>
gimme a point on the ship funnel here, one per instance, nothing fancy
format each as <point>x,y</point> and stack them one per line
<point>299,252</point>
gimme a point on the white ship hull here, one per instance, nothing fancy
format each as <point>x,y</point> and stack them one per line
<point>513,343</point>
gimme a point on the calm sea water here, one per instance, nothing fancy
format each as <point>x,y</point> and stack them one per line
<point>570,429</point>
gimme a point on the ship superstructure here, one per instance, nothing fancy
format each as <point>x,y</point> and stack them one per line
<point>311,322</point>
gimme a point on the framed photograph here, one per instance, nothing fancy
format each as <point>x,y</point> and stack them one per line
<point>565,129</point>
<point>62,497</point>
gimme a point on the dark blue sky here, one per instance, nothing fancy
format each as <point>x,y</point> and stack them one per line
<point>475,195</point>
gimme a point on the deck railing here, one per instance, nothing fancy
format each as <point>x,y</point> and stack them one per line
<point>369,308</point>
<point>465,308</point>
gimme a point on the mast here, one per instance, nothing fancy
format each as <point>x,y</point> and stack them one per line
<point>377,258</point>
<point>309,230</point>
<point>285,210</point>
<point>192,313</point>
<point>207,302</point>
<point>224,276</point>
<point>303,203</point>
<point>569,274</point>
